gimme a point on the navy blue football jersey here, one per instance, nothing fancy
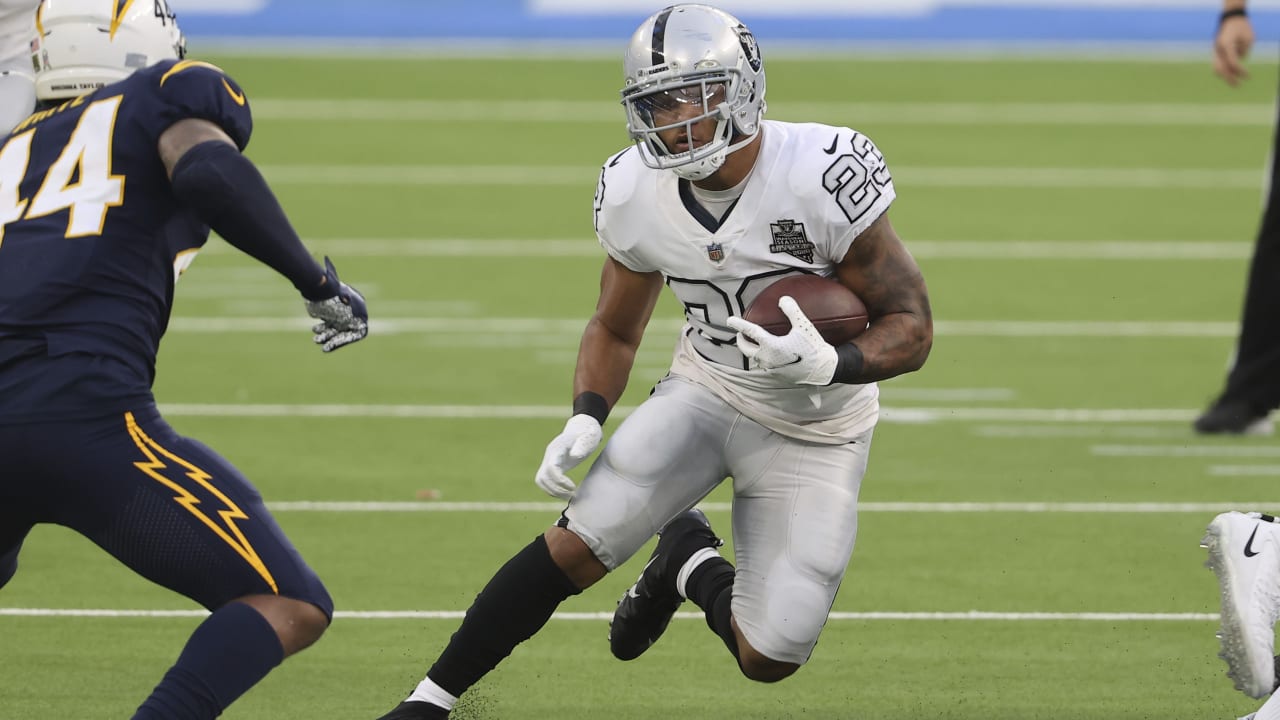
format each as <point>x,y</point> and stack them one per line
<point>92,240</point>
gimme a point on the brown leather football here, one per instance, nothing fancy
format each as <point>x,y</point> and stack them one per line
<point>832,308</point>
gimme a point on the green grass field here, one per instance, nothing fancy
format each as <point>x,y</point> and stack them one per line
<point>1084,227</point>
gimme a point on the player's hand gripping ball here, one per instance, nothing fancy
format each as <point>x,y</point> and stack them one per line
<point>779,336</point>
<point>834,310</point>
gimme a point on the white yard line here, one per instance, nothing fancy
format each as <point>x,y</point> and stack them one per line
<point>864,51</point>
<point>1245,471</point>
<point>1078,431</point>
<point>538,329</point>
<point>1085,178</point>
<point>587,247</point>
<point>1181,451</point>
<point>858,113</point>
<point>972,615</point>
<point>1139,508</point>
<point>911,415</point>
<point>888,391</point>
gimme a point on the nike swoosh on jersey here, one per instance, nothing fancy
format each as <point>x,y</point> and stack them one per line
<point>236,96</point>
<point>834,141</point>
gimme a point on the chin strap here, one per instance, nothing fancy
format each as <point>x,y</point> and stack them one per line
<point>706,167</point>
<point>700,169</point>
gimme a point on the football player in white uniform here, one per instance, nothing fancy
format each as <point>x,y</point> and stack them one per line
<point>715,203</point>
<point>17,84</point>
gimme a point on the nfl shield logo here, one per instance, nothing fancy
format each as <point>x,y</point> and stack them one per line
<point>715,251</point>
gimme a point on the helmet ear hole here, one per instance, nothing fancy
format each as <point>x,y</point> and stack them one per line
<point>82,45</point>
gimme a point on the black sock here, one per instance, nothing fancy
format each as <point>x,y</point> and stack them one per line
<point>229,653</point>
<point>515,604</point>
<point>710,587</point>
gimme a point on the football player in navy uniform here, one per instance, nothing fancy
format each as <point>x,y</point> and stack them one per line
<point>106,194</point>
<point>17,87</point>
<point>715,203</point>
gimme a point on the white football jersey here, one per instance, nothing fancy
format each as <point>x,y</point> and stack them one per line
<point>17,24</point>
<point>813,190</point>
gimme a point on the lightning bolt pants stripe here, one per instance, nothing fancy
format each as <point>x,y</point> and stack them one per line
<point>167,506</point>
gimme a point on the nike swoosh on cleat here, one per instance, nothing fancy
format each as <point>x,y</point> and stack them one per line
<point>1249,544</point>
<point>834,141</point>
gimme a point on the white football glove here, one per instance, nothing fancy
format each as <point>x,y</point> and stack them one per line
<point>579,439</point>
<point>801,356</point>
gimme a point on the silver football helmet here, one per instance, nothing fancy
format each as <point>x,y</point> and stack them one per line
<point>82,45</point>
<point>686,64</point>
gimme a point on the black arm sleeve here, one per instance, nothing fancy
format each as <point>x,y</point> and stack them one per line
<point>225,190</point>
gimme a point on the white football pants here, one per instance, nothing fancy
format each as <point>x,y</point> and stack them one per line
<point>794,506</point>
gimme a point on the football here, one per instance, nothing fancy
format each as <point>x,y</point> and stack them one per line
<point>833,308</point>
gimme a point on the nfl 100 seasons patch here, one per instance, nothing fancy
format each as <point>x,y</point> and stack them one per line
<point>789,237</point>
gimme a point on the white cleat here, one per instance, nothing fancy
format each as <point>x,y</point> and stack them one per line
<point>1244,552</point>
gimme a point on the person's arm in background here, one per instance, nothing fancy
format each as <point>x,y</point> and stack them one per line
<point>1232,42</point>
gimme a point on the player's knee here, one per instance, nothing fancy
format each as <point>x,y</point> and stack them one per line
<point>297,623</point>
<point>756,666</point>
<point>309,622</point>
<point>571,554</point>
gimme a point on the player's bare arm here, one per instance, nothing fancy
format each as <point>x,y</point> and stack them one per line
<point>186,134</point>
<point>605,357</point>
<point>612,336</point>
<point>883,274</point>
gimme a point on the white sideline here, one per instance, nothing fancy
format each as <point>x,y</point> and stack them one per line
<point>972,615</point>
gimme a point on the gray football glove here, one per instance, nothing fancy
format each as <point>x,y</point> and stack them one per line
<point>344,318</point>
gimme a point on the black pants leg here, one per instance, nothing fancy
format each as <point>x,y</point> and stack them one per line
<point>1254,379</point>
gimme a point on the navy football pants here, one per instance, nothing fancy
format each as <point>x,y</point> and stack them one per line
<point>168,507</point>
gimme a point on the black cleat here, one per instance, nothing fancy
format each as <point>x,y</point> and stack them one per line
<point>1233,418</point>
<point>646,608</point>
<point>416,711</point>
